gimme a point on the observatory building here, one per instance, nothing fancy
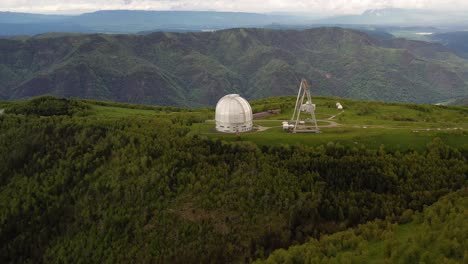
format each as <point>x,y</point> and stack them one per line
<point>233,114</point>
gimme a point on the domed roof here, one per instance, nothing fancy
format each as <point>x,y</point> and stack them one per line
<point>233,113</point>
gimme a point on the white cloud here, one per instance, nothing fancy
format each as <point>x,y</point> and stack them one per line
<point>312,6</point>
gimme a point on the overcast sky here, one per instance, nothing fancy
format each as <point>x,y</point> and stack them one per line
<point>309,6</point>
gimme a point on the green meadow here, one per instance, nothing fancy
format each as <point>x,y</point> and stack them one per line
<point>396,126</point>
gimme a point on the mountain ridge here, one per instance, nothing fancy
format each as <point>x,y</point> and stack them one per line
<point>196,69</point>
<point>399,17</point>
<point>134,21</point>
<point>457,41</point>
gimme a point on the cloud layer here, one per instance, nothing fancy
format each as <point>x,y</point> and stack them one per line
<point>311,6</point>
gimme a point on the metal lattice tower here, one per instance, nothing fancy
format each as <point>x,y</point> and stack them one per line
<point>304,93</point>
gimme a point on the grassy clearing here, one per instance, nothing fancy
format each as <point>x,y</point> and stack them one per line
<point>373,113</point>
<point>112,111</point>
<point>372,124</point>
<point>396,126</point>
<point>393,139</point>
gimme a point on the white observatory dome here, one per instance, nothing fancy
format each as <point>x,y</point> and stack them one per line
<point>233,114</point>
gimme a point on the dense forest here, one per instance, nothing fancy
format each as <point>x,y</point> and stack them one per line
<point>84,188</point>
<point>437,235</point>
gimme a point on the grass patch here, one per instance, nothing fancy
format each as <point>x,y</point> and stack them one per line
<point>113,111</point>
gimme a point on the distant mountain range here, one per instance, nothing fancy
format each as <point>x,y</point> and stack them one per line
<point>401,17</point>
<point>196,69</point>
<point>134,21</point>
<point>126,21</point>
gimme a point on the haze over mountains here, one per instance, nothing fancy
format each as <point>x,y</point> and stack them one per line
<point>134,21</point>
<point>126,21</point>
<point>402,17</point>
<point>196,69</point>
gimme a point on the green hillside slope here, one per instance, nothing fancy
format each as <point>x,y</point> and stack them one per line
<point>437,235</point>
<point>94,182</point>
<point>457,41</point>
<point>196,69</point>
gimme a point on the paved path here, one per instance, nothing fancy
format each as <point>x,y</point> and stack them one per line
<point>407,128</point>
<point>262,128</point>
<point>333,117</point>
<point>330,124</point>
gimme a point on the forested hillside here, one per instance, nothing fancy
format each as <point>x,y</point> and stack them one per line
<point>457,41</point>
<point>460,101</point>
<point>88,181</point>
<point>196,69</point>
<point>437,235</point>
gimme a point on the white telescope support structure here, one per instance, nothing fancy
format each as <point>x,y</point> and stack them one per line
<point>304,93</point>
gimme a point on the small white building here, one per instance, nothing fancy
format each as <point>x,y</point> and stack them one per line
<point>287,126</point>
<point>233,114</point>
<point>308,107</point>
<point>339,106</point>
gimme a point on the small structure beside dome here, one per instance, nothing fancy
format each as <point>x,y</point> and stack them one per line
<point>339,106</point>
<point>233,114</point>
<point>308,107</point>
